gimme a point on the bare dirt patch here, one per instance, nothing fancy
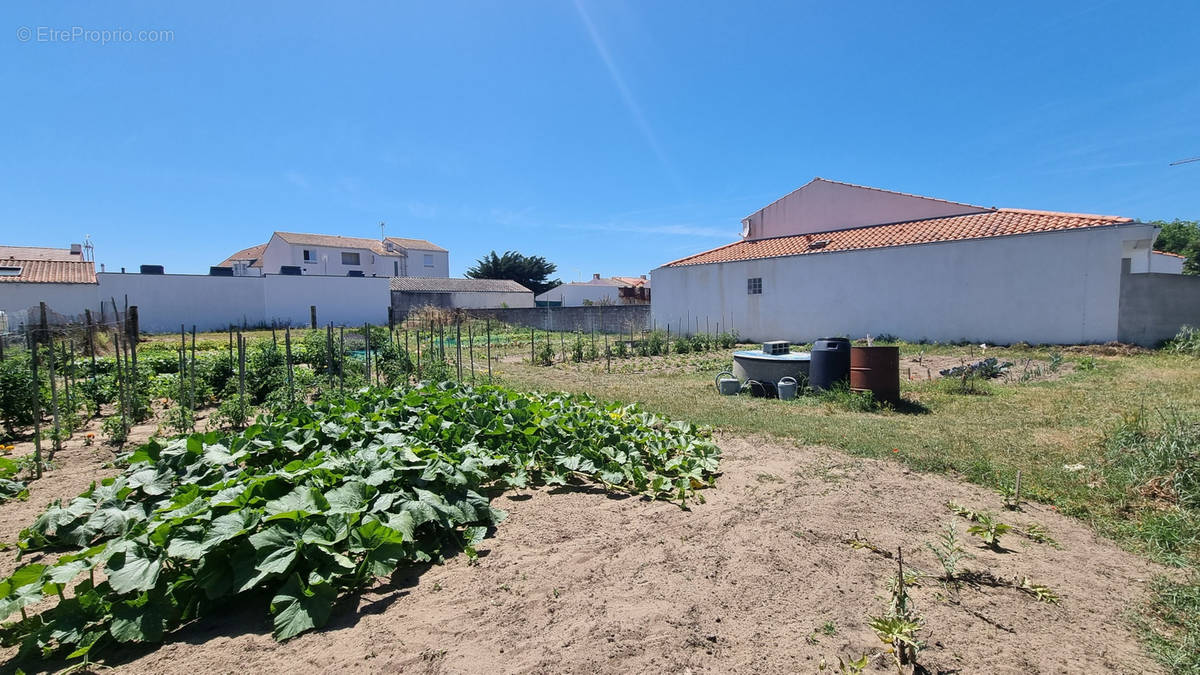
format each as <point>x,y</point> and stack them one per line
<point>758,579</point>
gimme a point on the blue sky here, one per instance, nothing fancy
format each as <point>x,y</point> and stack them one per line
<point>609,136</point>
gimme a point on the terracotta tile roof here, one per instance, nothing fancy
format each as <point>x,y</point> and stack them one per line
<point>444,285</point>
<point>254,254</point>
<point>631,281</point>
<point>332,241</point>
<point>419,244</point>
<point>39,253</point>
<point>49,271</point>
<point>373,245</point>
<point>1173,255</point>
<point>993,223</point>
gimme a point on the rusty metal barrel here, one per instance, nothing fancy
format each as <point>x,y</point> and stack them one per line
<point>877,370</point>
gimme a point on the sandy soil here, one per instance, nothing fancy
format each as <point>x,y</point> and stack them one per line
<point>579,581</point>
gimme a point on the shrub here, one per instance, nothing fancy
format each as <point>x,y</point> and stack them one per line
<point>656,343</point>
<point>727,340</point>
<point>394,363</point>
<point>1186,341</point>
<point>114,430</point>
<point>682,345</point>
<point>16,392</point>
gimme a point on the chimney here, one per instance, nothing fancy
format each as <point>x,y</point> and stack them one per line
<point>643,276</point>
<point>76,249</point>
<point>595,277</point>
<point>101,267</point>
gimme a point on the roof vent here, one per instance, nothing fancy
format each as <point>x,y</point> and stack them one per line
<point>595,277</point>
<point>76,249</point>
<point>820,243</point>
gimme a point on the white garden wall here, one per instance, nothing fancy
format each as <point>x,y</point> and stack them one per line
<point>211,303</point>
<point>1054,287</point>
<point>16,298</point>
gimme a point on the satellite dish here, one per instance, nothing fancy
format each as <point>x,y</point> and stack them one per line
<point>745,228</point>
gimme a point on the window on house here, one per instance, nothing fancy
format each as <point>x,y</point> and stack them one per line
<point>395,268</point>
<point>429,260</point>
<point>309,256</point>
<point>349,258</point>
<point>10,271</point>
<point>754,286</point>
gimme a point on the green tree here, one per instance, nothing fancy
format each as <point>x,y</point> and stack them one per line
<point>1181,237</point>
<point>529,271</point>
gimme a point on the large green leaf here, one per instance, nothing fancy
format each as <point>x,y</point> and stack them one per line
<point>298,608</point>
<point>134,569</point>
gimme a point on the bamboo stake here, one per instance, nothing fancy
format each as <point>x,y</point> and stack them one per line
<point>37,408</point>
<point>53,377</point>
<point>287,346</point>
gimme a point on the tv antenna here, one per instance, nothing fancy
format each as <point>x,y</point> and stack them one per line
<point>1185,161</point>
<point>382,236</point>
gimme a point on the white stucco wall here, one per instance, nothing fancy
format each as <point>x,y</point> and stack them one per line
<point>492,300</point>
<point>65,299</point>
<point>573,295</point>
<point>822,206</point>
<point>212,303</point>
<point>1054,287</point>
<point>165,301</point>
<point>1165,264</point>
<point>342,300</point>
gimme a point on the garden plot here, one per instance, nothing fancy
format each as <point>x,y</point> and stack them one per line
<point>764,577</point>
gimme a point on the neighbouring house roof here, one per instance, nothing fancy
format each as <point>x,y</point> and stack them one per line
<point>374,245</point>
<point>49,271</point>
<point>39,253</point>
<point>632,281</point>
<point>253,254</point>
<point>444,285</point>
<point>991,223</point>
<point>1173,255</point>
<point>418,244</point>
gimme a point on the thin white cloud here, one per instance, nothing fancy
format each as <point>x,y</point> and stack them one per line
<point>627,97</point>
<point>296,178</point>
<point>672,229</point>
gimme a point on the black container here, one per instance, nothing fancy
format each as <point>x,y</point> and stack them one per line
<point>152,269</point>
<point>830,363</point>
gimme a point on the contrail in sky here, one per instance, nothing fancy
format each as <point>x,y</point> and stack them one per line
<point>626,95</point>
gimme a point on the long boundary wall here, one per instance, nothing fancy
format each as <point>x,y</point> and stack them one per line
<point>601,318</point>
<point>1155,306</point>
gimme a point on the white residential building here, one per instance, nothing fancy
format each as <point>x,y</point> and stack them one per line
<point>598,291</point>
<point>835,259</point>
<point>329,255</point>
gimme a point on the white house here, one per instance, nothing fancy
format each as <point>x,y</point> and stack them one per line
<point>29,275</point>
<point>834,259</point>
<point>1165,263</point>
<point>330,255</point>
<point>598,291</point>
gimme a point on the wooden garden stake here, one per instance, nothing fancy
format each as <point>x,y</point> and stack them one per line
<point>489,350</point>
<point>287,350</point>
<point>471,349</point>
<point>36,383</point>
<point>53,376</point>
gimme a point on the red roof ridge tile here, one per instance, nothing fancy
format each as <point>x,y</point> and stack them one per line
<point>1067,214</point>
<point>1173,255</point>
